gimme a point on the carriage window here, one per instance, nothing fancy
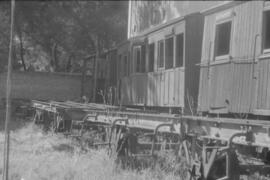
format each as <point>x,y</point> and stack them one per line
<point>179,50</point>
<point>142,65</point>
<point>139,58</point>
<point>223,38</point>
<point>128,64</point>
<point>125,69</point>
<point>119,64</point>
<point>161,54</point>
<point>169,52</point>
<point>267,30</point>
<point>151,57</point>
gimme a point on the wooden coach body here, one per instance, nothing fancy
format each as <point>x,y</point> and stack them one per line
<point>161,68</point>
<point>235,66</point>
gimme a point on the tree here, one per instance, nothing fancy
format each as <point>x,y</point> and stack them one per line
<point>69,30</point>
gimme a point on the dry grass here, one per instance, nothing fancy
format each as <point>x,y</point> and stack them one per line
<point>38,156</point>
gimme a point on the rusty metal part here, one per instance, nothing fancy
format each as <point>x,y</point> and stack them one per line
<point>155,134</point>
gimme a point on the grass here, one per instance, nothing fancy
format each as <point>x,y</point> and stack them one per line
<point>35,155</point>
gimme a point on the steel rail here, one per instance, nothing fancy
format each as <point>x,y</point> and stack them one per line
<point>166,117</point>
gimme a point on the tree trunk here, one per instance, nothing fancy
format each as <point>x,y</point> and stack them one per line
<point>56,65</point>
<point>95,70</point>
<point>54,60</point>
<point>83,78</point>
<point>21,49</point>
<point>68,66</point>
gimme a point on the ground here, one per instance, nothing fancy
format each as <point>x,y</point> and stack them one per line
<point>36,155</point>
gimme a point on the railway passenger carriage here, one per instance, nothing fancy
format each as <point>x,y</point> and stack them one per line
<point>214,61</point>
<point>161,71</point>
<point>235,67</point>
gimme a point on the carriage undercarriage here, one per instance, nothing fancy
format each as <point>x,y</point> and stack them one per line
<point>211,148</point>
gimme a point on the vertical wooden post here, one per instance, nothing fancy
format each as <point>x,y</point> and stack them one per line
<point>96,69</point>
<point>83,78</point>
<point>8,92</point>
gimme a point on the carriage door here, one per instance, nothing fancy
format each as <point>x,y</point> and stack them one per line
<point>263,81</point>
<point>221,67</point>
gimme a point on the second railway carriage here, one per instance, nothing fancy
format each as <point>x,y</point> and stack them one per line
<point>235,66</point>
<point>158,68</point>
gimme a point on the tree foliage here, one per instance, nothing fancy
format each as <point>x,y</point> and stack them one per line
<point>56,35</point>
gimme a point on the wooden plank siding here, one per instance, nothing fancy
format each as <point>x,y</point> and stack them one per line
<point>206,57</point>
<point>232,83</point>
<point>169,87</point>
<point>203,100</point>
<point>220,80</point>
<point>154,89</point>
<point>263,99</point>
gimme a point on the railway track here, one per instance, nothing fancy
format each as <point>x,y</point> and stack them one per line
<point>217,148</point>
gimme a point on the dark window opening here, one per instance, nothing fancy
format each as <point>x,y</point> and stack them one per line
<point>179,50</point>
<point>142,68</point>
<point>139,56</point>
<point>151,57</point>
<point>138,59</point>
<point>161,54</point>
<point>128,64</point>
<point>125,66</point>
<point>119,65</point>
<point>169,53</point>
<point>267,30</point>
<point>223,37</point>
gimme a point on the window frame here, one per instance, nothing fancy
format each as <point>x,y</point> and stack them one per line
<point>143,58</point>
<point>119,73</point>
<point>134,60</point>
<point>264,50</point>
<point>225,56</point>
<point>125,64</point>
<point>173,55</point>
<point>154,52</point>
<point>158,54</point>
<point>175,47</point>
<point>129,63</point>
